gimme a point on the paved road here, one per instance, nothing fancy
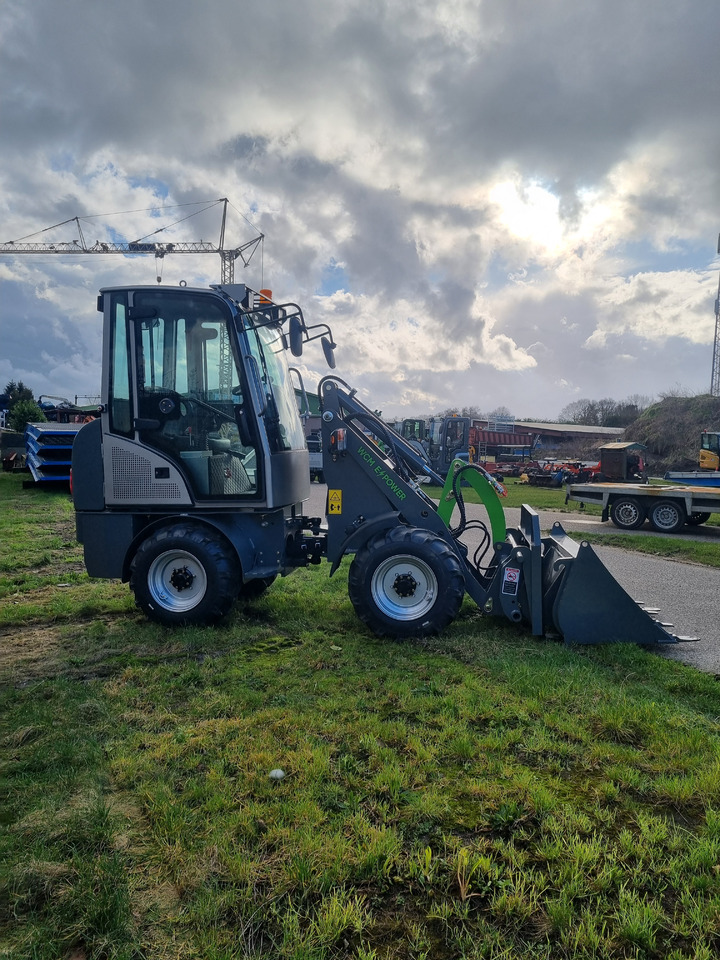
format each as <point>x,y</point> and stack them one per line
<point>685,593</point>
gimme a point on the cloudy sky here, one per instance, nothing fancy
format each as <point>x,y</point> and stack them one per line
<point>492,202</point>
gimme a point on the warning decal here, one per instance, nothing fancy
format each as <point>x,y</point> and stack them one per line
<point>334,501</point>
<point>511,580</point>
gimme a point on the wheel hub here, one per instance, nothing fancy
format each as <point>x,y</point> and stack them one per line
<point>405,585</point>
<point>181,578</point>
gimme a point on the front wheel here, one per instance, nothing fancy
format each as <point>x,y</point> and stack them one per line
<point>184,574</point>
<point>667,516</point>
<point>627,513</point>
<point>406,583</point>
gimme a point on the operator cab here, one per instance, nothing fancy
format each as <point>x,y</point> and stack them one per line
<point>202,382</point>
<point>709,451</point>
<point>448,439</point>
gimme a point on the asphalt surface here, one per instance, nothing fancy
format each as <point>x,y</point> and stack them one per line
<point>685,593</point>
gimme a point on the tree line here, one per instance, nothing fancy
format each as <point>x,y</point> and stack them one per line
<point>605,412</point>
<point>584,412</point>
<point>21,406</point>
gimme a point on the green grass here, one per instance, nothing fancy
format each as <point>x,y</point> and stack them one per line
<point>482,795</point>
<point>669,547</point>
<point>541,498</point>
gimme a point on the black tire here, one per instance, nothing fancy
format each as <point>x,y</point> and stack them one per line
<point>406,582</point>
<point>667,516</point>
<point>627,513</point>
<point>695,519</point>
<point>184,574</point>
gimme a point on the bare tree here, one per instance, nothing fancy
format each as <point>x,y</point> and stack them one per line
<point>580,411</point>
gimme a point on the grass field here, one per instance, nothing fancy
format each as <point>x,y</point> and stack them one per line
<point>483,795</point>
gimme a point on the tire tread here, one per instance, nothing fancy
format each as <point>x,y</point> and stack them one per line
<point>450,596</point>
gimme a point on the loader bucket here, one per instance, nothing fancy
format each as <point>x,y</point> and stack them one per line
<point>585,603</point>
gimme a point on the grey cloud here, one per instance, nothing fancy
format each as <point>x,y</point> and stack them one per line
<point>279,105</point>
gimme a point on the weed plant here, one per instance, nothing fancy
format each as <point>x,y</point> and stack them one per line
<point>481,795</point>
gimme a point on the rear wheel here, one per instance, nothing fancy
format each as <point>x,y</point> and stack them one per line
<point>667,516</point>
<point>184,574</point>
<point>627,513</point>
<point>695,519</point>
<point>406,583</point>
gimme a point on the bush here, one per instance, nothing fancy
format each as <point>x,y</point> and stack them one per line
<point>24,412</point>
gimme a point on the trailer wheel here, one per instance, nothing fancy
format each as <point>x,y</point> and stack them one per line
<point>695,519</point>
<point>627,513</point>
<point>667,516</point>
<point>184,574</point>
<point>406,583</point>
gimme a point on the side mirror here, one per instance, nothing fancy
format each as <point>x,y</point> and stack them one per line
<point>329,351</point>
<point>296,336</point>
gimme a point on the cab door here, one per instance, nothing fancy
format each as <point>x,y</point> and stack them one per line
<point>191,395</point>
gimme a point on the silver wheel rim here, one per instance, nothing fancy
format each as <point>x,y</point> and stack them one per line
<point>666,516</point>
<point>177,580</point>
<point>628,513</point>
<point>404,587</point>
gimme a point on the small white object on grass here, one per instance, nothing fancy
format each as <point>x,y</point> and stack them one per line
<point>277,774</point>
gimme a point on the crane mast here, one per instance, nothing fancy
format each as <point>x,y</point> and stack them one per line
<point>715,382</point>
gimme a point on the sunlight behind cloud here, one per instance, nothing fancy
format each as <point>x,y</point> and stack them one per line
<point>530,212</point>
<point>483,205</point>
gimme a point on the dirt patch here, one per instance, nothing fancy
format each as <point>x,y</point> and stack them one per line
<point>28,653</point>
<point>39,652</point>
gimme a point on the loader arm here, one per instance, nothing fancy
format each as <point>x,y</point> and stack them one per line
<point>372,490</point>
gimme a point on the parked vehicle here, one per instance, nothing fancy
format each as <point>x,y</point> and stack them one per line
<point>708,474</point>
<point>709,456</point>
<point>190,486</point>
<point>668,509</point>
<point>441,439</point>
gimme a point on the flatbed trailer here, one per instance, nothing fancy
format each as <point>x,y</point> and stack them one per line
<point>629,505</point>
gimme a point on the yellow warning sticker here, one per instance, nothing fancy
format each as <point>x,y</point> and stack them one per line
<point>334,501</point>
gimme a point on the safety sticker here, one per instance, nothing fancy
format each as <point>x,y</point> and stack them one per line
<point>511,580</point>
<point>334,501</point>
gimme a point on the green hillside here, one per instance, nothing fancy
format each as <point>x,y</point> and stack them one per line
<point>671,430</point>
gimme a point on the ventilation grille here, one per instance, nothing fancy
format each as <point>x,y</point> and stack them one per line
<point>133,480</point>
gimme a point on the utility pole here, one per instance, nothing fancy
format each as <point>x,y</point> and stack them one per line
<point>715,383</point>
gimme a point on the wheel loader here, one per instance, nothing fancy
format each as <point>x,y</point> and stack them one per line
<point>191,484</point>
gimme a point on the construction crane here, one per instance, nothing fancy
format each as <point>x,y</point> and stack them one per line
<point>715,382</point>
<point>80,246</point>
